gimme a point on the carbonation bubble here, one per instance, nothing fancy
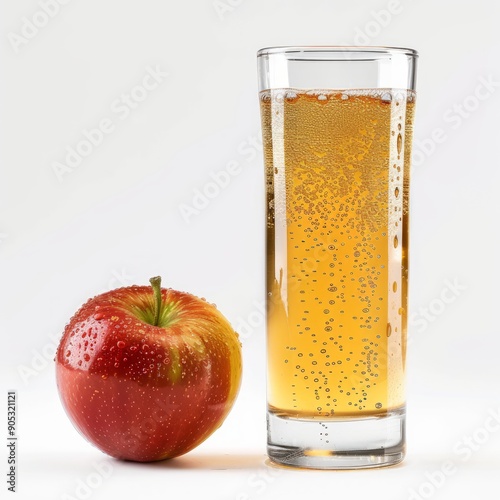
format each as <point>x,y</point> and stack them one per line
<point>396,192</point>
<point>389,329</point>
<point>394,287</point>
<point>400,143</point>
<point>396,242</point>
<point>378,405</point>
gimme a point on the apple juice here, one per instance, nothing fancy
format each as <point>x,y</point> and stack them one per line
<point>337,174</point>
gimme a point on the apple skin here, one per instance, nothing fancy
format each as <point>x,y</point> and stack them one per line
<point>142,392</point>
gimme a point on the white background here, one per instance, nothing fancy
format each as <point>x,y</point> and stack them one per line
<point>115,219</point>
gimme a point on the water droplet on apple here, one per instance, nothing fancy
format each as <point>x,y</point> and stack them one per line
<point>99,359</point>
<point>120,344</point>
<point>68,353</point>
<point>104,377</point>
<point>145,347</point>
<point>165,360</point>
<point>133,348</point>
<point>98,316</point>
<point>86,357</point>
<point>144,370</point>
<point>116,365</point>
<point>125,360</point>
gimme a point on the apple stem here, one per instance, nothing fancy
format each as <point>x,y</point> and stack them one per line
<point>156,284</point>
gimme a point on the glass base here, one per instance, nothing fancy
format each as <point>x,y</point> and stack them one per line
<point>337,443</point>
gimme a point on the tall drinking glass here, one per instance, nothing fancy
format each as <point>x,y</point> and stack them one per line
<point>337,131</point>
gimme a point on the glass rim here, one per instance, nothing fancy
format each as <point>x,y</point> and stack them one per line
<point>337,49</point>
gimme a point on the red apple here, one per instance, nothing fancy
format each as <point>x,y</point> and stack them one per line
<point>146,373</point>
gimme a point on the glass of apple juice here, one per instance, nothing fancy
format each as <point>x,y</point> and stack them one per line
<point>337,130</point>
